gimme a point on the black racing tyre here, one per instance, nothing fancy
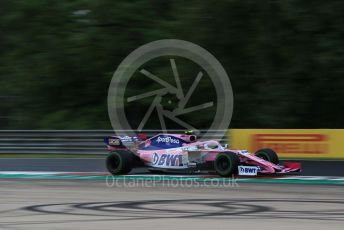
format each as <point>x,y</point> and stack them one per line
<point>268,155</point>
<point>119,162</point>
<point>226,163</point>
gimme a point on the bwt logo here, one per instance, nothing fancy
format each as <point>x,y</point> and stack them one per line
<point>291,143</point>
<point>249,170</point>
<point>167,139</point>
<point>167,159</point>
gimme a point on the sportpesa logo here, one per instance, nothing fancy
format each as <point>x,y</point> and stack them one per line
<point>167,139</point>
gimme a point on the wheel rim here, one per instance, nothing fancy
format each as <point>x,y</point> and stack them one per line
<point>114,163</point>
<point>223,163</point>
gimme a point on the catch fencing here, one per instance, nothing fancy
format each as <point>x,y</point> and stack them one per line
<point>67,141</point>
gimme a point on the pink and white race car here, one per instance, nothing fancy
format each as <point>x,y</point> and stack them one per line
<point>183,152</point>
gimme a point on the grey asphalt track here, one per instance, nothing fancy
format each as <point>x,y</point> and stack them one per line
<point>90,205</point>
<point>309,168</point>
<point>100,204</point>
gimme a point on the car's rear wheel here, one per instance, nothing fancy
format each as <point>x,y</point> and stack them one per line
<point>119,162</point>
<point>226,163</point>
<point>268,155</point>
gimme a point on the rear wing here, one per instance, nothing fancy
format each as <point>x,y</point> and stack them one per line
<point>123,141</point>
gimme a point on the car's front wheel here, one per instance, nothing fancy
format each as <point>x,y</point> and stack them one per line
<point>268,155</point>
<point>226,163</point>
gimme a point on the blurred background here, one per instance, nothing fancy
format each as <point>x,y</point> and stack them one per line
<point>285,58</point>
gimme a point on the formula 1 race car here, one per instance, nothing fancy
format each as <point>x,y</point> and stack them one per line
<point>178,152</point>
